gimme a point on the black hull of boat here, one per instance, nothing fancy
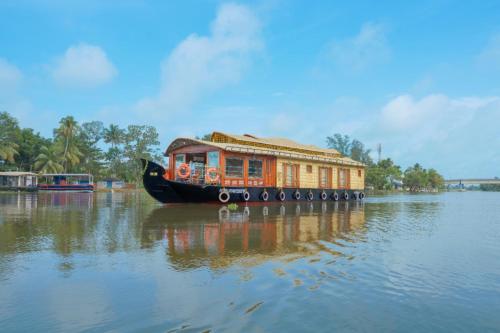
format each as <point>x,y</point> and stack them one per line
<point>168,191</point>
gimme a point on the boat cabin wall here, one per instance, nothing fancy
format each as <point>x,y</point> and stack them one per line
<point>248,170</point>
<point>307,174</point>
<point>235,169</point>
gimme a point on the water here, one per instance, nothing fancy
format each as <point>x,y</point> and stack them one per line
<point>120,262</point>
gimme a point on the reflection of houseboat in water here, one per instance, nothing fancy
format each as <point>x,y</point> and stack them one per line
<point>232,168</point>
<point>210,235</point>
<point>80,182</point>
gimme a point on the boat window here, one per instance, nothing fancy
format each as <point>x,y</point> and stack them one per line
<point>234,167</point>
<point>343,178</point>
<point>213,159</point>
<point>179,159</point>
<point>323,177</point>
<point>291,174</point>
<point>255,168</point>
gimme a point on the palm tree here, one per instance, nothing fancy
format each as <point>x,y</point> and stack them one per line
<point>48,161</point>
<point>114,135</point>
<point>67,132</point>
<point>8,151</point>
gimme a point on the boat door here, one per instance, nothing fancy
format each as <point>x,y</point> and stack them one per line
<point>270,172</point>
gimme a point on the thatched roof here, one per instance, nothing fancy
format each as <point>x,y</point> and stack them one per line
<point>279,147</point>
<point>273,143</point>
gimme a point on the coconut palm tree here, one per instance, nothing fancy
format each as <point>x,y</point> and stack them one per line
<point>114,135</point>
<point>48,161</point>
<point>66,133</point>
<point>8,151</point>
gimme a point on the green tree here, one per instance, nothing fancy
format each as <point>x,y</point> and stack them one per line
<point>9,136</point>
<point>341,143</point>
<point>383,174</point>
<point>114,135</point>
<point>48,161</point>
<point>435,180</point>
<point>141,141</point>
<point>415,178</point>
<point>29,148</point>
<point>359,153</point>
<point>205,137</point>
<point>65,140</point>
<point>92,156</point>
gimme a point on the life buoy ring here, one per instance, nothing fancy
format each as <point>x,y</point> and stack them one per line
<point>296,195</point>
<point>264,196</point>
<point>324,196</point>
<point>245,195</point>
<point>224,196</point>
<point>346,196</point>
<point>310,196</point>
<point>281,196</point>
<point>184,171</point>
<point>361,195</point>
<point>335,196</point>
<point>212,175</point>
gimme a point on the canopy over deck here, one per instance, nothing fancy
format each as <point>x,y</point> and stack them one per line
<point>16,173</point>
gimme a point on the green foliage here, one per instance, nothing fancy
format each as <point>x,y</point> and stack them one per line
<point>383,175</point>
<point>78,148</point>
<point>29,148</point>
<point>354,149</point>
<point>114,135</point>
<point>417,178</point>
<point>9,135</point>
<point>48,161</point>
<point>66,144</point>
<point>490,187</point>
<point>139,143</point>
<point>92,155</point>
<point>342,143</point>
<point>205,137</point>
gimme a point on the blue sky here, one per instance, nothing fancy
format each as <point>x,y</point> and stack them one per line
<point>421,78</point>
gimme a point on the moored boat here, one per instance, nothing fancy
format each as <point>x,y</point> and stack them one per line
<point>76,182</point>
<point>245,168</point>
<point>18,181</point>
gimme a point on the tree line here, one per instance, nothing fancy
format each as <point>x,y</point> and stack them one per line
<point>385,174</point>
<point>111,151</point>
<point>89,147</point>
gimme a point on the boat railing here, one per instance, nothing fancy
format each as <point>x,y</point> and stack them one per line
<point>199,174</point>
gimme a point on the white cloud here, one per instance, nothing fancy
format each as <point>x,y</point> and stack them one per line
<point>455,135</point>
<point>203,64</point>
<point>490,55</point>
<point>83,65</point>
<point>368,47</point>
<point>10,77</point>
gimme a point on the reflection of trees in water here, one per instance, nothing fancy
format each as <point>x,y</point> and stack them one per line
<point>71,222</point>
<point>207,235</point>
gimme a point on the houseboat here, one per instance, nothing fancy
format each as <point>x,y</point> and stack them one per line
<point>18,181</point>
<point>79,182</point>
<point>246,168</point>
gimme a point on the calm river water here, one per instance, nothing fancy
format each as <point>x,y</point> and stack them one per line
<point>120,262</point>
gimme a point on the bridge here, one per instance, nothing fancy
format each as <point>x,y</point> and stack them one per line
<point>472,181</point>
